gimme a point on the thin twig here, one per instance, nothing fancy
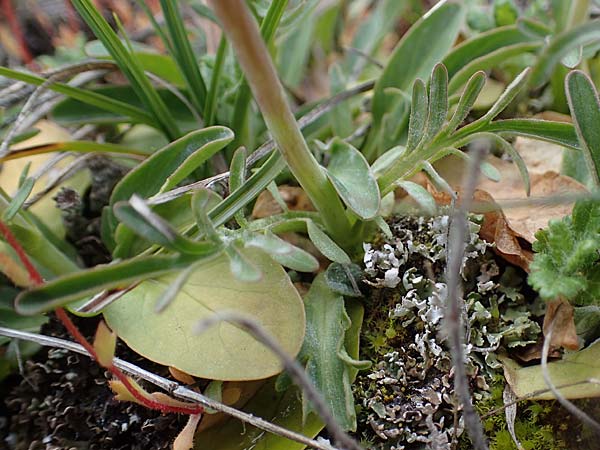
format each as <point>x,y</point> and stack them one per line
<point>169,386</point>
<point>453,317</point>
<point>267,147</point>
<point>568,405</point>
<point>295,370</point>
<point>55,77</point>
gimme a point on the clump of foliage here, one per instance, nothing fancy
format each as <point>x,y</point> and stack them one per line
<point>567,261</point>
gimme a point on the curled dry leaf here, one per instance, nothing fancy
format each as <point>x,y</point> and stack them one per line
<point>564,334</point>
<point>294,197</point>
<point>525,221</point>
<point>495,229</point>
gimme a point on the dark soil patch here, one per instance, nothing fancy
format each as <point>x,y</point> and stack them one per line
<point>64,402</point>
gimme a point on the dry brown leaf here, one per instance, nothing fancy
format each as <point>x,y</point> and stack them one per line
<point>495,229</point>
<point>539,156</point>
<point>524,221</point>
<point>185,439</point>
<point>564,334</point>
<point>294,197</point>
<point>234,393</point>
<point>181,376</point>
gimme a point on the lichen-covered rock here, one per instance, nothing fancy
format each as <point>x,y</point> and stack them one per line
<point>407,399</point>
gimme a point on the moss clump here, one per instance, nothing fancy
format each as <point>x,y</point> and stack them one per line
<point>533,423</point>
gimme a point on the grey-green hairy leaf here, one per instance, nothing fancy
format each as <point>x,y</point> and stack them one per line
<point>438,101</point>
<point>325,244</point>
<point>327,361</point>
<point>423,198</point>
<point>351,176</point>
<point>585,109</point>
<point>467,100</point>
<point>418,115</point>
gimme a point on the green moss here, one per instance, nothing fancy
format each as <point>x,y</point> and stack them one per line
<point>533,424</point>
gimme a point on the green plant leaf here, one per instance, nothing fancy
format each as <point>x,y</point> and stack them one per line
<point>585,109</point>
<point>438,101</point>
<point>566,263</point>
<point>574,367</point>
<point>237,177</point>
<point>559,47</point>
<point>483,44</point>
<point>467,100</point>
<point>489,61</point>
<point>143,222</point>
<point>371,32</point>
<point>168,166</point>
<point>557,132</point>
<point>418,118</point>
<point>71,287</point>
<point>325,244</point>
<point>72,111</point>
<point>423,198</point>
<point>162,66</point>
<point>327,361</point>
<point>507,96</point>
<point>129,65</point>
<point>19,198</point>
<point>352,178</point>
<point>282,251</point>
<point>340,116</point>
<point>86,96</point>
<point>414,57</point>
<point>183,53</point>
<point>223,352</point>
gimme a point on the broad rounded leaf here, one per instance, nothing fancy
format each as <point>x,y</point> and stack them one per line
<point>222,352</point>
<point>350,174</point>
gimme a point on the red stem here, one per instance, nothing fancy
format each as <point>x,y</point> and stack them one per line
<point>15,28</point>
<point>62,315</point>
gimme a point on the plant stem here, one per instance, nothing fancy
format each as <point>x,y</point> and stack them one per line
<point>254,58</point>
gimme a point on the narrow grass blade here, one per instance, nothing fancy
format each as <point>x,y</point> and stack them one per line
<point>85,96</point>
<point>184,54</point>
<point>129,65</point>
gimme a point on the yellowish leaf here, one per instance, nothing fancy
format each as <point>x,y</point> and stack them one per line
<point>185,439</point>
<point>105,343</point>
<point>17,274</point>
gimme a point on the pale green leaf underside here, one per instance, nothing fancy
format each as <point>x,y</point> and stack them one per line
<point>223,352</point>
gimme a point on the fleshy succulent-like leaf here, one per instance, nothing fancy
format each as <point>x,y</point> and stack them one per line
<point>567,263</point>
<point>352,178</point>
<point>223,352</point>
<point>585,109</point>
